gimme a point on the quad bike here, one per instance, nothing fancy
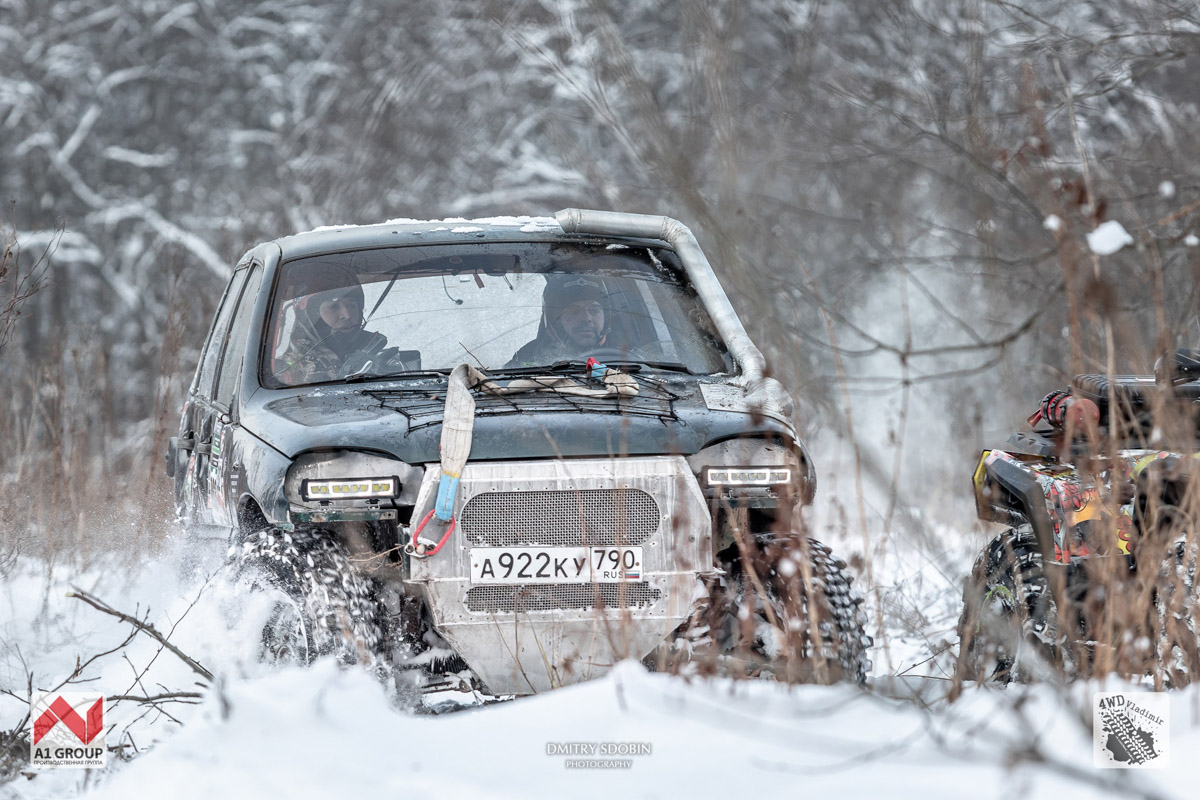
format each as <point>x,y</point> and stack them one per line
<point>1097,570</point>
<point>540,445</point>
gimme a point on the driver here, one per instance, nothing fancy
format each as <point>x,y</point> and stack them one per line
<point>328,340</point>
<point>575,322</point>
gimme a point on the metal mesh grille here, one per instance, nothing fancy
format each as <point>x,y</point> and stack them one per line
<point>560,518</point>
<point>553,596</point>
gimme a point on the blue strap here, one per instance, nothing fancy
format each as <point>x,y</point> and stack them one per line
<point>447,491</point>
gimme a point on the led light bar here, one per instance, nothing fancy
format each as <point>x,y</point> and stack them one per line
<point>355,489</point>
<point>748,476</point>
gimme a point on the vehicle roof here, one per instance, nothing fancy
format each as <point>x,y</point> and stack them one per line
<point>337,238</point>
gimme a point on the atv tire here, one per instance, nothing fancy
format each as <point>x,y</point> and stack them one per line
<point>1177,652</point>
<point>807,629</point>
<point>321,604</point>
<point>1009,627</point>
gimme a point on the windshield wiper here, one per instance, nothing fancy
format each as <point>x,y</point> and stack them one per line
<point>634,366</point>
<point>359,377</point>
<point>558,367</point>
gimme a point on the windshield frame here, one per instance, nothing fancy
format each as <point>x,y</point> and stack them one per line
<point>662,267</point>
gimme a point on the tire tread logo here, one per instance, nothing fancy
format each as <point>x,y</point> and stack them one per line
<point>1131,730</point>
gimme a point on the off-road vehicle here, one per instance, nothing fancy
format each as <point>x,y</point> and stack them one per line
<point>507,453</point>
<point>1097,572</point>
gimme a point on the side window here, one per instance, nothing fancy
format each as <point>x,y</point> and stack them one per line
<point>216,337</point>
<point>235,347</point>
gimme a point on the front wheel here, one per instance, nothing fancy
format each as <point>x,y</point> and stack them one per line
<point>1177,653</point>
<point>319,602</point>
<point>1009,623</point>
<point>794,617</point>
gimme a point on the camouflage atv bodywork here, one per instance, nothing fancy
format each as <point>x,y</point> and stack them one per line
<point>1095,512</point>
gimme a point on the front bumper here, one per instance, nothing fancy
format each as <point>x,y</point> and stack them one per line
<point>522,639</point>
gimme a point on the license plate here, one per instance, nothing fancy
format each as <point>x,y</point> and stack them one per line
<point>555,564</point>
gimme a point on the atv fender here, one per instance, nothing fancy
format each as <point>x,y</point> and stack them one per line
<point>1000,472</point>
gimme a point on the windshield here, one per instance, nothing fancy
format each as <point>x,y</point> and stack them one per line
<point>375,313</point>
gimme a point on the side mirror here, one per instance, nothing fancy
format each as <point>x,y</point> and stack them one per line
<point>1187,362</point>
<point>177,454</point>
<point>1182,366</point>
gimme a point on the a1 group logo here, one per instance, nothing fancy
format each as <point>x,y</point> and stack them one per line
<point>68,730</point>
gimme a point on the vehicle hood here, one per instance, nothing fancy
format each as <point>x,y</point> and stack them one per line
<point>404,420</point>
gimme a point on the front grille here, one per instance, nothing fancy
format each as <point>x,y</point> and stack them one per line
<point>505,599</point>
<point>560,518</point>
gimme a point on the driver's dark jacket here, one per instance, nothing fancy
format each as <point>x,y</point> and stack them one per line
<point>313,355</point>
<point>547,350</point>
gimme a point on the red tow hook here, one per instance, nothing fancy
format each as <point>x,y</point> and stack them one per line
<point>416,548</point>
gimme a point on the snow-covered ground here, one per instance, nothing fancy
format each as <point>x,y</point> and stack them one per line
<point>329,732</point>
<point>332,731</point>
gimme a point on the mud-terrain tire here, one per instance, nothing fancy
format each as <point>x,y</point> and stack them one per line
<point>813,633</point>
<point>321,603</point>
<point>1177,650</point>
<point>1008,629</point>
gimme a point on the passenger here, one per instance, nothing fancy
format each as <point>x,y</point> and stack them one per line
<point>328,340</point>
<point>575,322</point>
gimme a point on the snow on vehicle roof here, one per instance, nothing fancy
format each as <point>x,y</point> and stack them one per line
<point>526,224</point>
<point>334,238</point>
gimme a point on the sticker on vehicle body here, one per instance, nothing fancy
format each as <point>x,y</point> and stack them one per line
<point>723,397</point>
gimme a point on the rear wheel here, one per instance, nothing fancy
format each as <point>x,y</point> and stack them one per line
<point>320,604</point>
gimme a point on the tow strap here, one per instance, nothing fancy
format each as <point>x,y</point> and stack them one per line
<point>458,423</point>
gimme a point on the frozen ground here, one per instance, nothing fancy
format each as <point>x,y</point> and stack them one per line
<point>329,731</point>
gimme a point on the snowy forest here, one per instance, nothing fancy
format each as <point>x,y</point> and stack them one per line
<point>909,203</point>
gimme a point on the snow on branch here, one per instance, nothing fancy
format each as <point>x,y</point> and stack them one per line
<point>1108,238</point>
<point>139,159</point>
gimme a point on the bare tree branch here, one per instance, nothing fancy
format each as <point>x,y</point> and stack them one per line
<point>145,627</point>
